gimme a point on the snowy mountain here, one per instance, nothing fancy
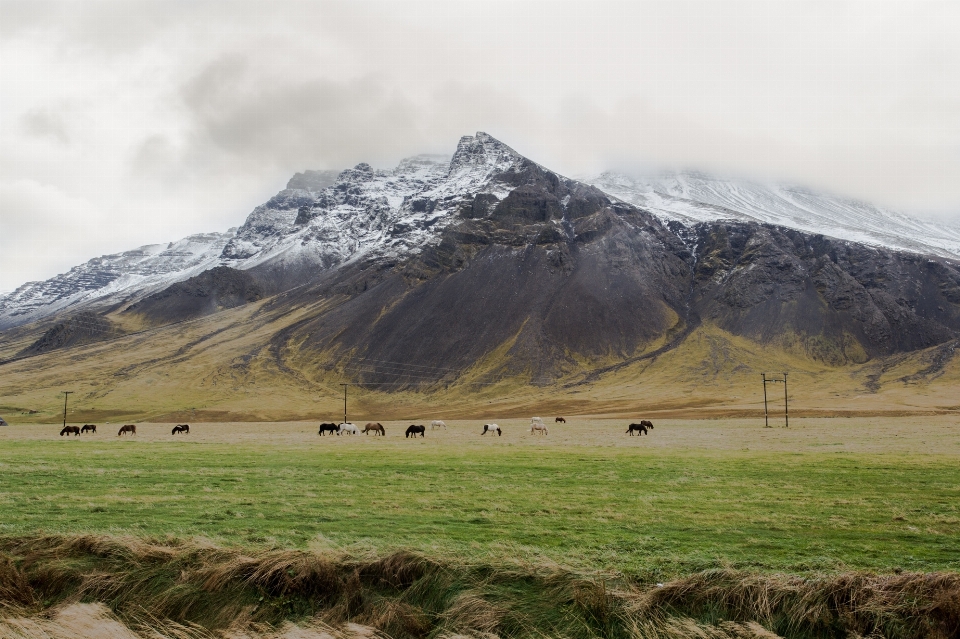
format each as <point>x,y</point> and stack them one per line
<point>311,225</point>
<point>693,197</point>
<point>491,261</point>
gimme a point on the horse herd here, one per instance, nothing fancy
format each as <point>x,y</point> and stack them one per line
<point>537,427</point>
<point>126,429</point>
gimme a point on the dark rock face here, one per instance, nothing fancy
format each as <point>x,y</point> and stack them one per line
<point>846,301</point>
<point>82,328</point>
<point>313,180</point>
<point>211,291</point>
<point>553,274</point>
<point>556,275</point>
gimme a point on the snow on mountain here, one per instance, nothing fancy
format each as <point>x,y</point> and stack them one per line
<point>692,197</point>
<point>364,213</point>
<point>111,277</point>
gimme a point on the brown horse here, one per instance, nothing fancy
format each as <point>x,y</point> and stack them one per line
<point>89,427</point>
<point>128,428</point>
<point>377,429</point>
<point>559,420</point>
<point>181,428</point>
<point>70,430</point>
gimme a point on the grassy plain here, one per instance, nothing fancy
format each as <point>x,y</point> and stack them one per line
<point>703,528</point>
<point>823,495</point>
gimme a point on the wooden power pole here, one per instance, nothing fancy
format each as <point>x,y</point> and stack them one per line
<point>66,394</point>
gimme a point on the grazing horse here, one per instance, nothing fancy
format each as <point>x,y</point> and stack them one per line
<point>328,428</point>
<point>377,429</point>
<point>437,424</point>
<point>647,423</point>
<point>491,428</point>
<point>128,428</point>
<point>347,427</point>
<point>539,428</point>
<point>641,428</point>
<point>70,430</point>
<point>89,427</point>
<point>560,420</point>
<point>415,430</point>
<point>181,428</point>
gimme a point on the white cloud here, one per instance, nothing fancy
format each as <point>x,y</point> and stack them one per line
<point>162,119</point>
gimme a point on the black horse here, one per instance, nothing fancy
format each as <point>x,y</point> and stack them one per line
<point>641,428</point>
<point>70,430</point>
<point>328,428</point>
<point>181,428</point>
<point>415,430</point>
<point>89,427</point>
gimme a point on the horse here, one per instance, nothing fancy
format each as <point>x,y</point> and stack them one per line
<point>641,428</point>
<point>539,428</point>
<point>377,429</point>
<point>437,424</point>
<point>181,428</point>
<point>347,427</point>
<point>89,427</point>
<point>328,428</point>
<point>415,430</point>
<point>647,423</point>
<point>127,428</point>
<point>70,430</point>
<point>560,420</point>
<point>491,428</point>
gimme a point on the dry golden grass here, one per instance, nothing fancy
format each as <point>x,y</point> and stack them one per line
<point>907,435</point>
<point>97,590</point>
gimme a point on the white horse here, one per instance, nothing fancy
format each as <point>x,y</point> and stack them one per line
<point>348,428</point>
<point>538,427</point>
<point>437,424</point>
<point>491,428</point>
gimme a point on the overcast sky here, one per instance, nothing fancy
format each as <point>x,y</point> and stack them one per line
<point>127,123</point>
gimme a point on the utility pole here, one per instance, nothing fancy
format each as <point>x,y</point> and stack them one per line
<point>766,416</point>
<point>344,402</point>
<point>786,407</point>
<point>66,394</point>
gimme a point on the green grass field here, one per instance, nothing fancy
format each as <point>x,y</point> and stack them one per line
<point>679,501</point>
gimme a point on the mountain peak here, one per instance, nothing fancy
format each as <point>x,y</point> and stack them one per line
<point>484,150</point>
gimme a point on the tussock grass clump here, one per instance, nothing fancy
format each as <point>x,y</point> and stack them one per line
<point>91,586</point>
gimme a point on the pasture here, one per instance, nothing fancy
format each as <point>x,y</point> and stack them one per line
<point>824,496</point>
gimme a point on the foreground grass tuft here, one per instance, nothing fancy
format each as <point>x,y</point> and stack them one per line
<point>174,589</point>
